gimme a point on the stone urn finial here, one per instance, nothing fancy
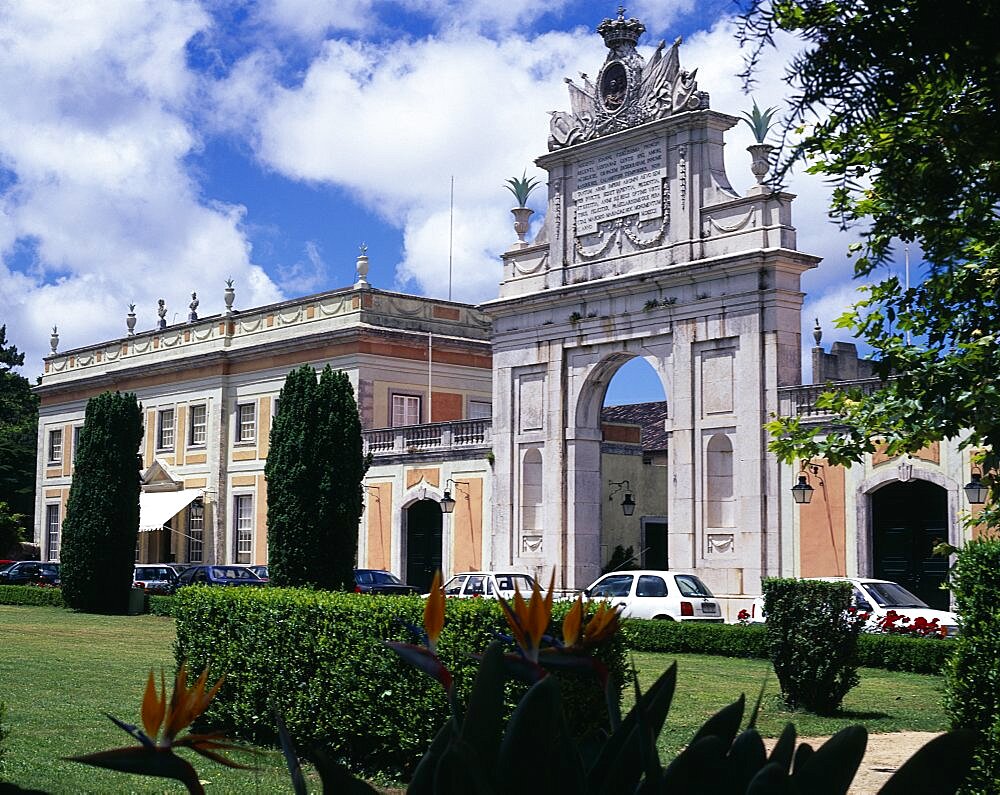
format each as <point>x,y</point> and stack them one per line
<point>161,310</point>
<point>362,266</point>
<point>759,122</point>
<point>229,296</point>
<point>193,306</point>
<point>54,339</point>
<point>130,320</point>
<point>818,333</point>
<point>521,187</point>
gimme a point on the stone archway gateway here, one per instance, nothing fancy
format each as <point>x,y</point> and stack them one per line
<point>646,250</point>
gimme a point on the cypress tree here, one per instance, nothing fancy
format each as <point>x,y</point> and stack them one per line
<point>102,516</point>
<point>314,471</point>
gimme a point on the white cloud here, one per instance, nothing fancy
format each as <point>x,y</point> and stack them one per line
<point>94,97</point>
<point>393,126</point>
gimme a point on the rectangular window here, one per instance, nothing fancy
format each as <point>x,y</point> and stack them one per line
<point>405,410</point>
<point>165,430</point>
<point>52,531</point>
<point>198,424</point>
<point>246,422</point>
<point>243,515</point>
<point>55,447</point>
<point>196,532</point>
<point>480,410</point>
<point>77,429</point>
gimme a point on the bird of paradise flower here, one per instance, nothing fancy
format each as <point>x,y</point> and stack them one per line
<point>162,721</point>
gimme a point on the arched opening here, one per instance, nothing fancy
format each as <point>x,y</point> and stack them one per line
<point>721,504</point>
<point>908,520</point>
<point>633,460</point>
<point>531,497</point>
<point>423,543</point>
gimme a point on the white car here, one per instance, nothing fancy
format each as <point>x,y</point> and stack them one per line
<point>669,595</point>
<point>489,584</point>
<point>877,598</point>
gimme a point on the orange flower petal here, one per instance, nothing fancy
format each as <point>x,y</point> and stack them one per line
<point>153,707</point>
<point>434,611</point>
<point>572,622</point>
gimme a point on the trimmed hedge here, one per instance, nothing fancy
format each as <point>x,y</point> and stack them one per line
<point>30,595</point>
<point>317,657</point>
<point>888,652</point>
<point>160,605</point>
<point>972,694</point>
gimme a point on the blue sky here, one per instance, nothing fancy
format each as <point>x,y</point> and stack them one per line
<point>151,149</point>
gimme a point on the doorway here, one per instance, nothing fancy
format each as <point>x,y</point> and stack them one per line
<point>423,543</point>
<point>908,521</point>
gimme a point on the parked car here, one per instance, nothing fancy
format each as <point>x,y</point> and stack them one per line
<point>261,571</point>
<point>30,572</point>
<point>378,581</point>
<point>227,574</point>
<point>668,595</point>
<point>878,598</point>
<point>155,578</point>
<point>489,584</point>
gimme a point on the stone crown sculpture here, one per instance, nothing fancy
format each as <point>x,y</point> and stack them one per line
<point>628,92</point>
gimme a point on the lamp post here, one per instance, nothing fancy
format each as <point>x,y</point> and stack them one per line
<point>447,502</point>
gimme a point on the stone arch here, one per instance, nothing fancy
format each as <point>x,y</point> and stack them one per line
<point>589,399</point>
<point>891,475</point>
<point>422,492</point>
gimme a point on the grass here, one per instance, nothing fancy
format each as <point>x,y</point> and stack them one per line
<point>60,672</point>
<point>883,702</point>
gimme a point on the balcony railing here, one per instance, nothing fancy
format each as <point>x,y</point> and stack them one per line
<point>432,437</point>
<point>800,401</point>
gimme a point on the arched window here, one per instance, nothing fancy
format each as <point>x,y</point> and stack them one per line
<point>531,491</point>
<point>721,505</point>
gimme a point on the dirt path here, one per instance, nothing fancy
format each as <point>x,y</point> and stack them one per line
<point>885,754</point>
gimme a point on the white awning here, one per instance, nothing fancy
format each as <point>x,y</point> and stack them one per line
<point>156,508</point>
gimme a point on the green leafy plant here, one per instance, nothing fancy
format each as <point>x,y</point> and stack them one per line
<point>31,595</point>
<point>758,121</point>
<point>812,635</point>
<point>101,529</point>
<point>972,697</point>
<point>521,187</point>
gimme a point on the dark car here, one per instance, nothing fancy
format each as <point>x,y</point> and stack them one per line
<point>155,578</point>
<point>223,574</point>
<point>30,572</point>
<point>261,571</point>
<point>381,582</point>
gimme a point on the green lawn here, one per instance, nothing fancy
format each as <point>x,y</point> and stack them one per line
<point>60,672</point>
<point>883,702</point>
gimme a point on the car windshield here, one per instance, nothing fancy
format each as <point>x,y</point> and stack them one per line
<point>689,585</point>
<point>507,582</point>
<point>154,573</point>
<point>5,566</point>
<point>454,585</point>
<point>385,578</point>
<point>233,573</point>
<point>889,594</point>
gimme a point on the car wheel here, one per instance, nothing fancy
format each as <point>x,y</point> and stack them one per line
<point>663,618</point>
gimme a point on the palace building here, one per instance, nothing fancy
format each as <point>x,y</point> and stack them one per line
<point>491,447</point>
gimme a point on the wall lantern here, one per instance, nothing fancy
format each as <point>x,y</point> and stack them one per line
<point>976,490</point>
<point>802,492</point>
<point>628,504</point>
<point>447,502</point>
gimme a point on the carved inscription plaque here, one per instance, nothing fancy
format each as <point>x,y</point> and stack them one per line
<point>620,183</point>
